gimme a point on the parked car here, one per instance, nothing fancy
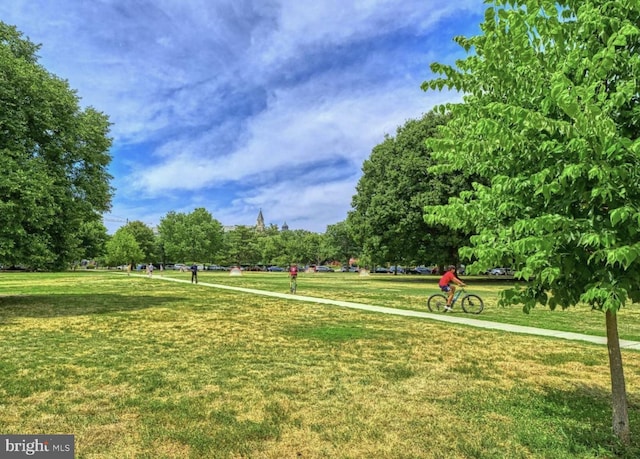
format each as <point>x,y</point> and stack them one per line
<point>253,268</point>
<point>419,270</point>
<point>16,268</point>
<point>216,268</point>
<point>349,269</point>
<point>498,272</point>
<point>396,269</point>
<point>381,270</point>
<point>275,269</point>
<point>185,267</point>
<point>324,269</point>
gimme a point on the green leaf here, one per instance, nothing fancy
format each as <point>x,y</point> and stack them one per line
<point>621,215</point>
<point>549,275</point>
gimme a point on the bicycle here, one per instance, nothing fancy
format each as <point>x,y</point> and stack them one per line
<point>471,304</point>
<point>293,284</point>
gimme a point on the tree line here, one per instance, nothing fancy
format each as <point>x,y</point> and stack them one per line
<point>199,237</point>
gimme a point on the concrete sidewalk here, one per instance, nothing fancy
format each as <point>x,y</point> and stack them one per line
<point>624,344</point>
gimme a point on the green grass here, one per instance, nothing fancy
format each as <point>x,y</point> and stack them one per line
<point>141,368</point>
<point>411,292</point>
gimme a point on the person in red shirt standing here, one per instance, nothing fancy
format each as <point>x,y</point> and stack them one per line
<point>445,285</point>
<point>293,277</point>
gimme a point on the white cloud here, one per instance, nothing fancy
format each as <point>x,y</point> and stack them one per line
<point>332,22</point>
<point>215,95</point>
<point>297,128</point>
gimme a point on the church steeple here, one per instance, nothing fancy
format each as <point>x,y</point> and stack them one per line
<point>260,223</point>
<point>285,227</point>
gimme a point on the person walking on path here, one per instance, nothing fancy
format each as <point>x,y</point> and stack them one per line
<point>194,273</point>
<point>150,269</point>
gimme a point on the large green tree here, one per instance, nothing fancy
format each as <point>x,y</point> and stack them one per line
<point>303,247</point>
<point>387,217</point>
<point>93,237</point>
<point>192,237</point>
<point>145,238</point>
<point>53,160</point>
<point>123,249</point>
<point>339,242</point>
<point>551,117</point>
<point>243,246</point>
<point>286,247</point>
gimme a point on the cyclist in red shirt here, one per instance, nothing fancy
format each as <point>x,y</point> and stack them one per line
<point>293,270</point>
<point>445,285</point>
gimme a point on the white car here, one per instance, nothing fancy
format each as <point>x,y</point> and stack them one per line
<point>324,269</point>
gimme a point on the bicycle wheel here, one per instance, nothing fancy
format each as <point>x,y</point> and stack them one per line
<point>472,304</point>
<point>437,302</point>
<point>293,286</point>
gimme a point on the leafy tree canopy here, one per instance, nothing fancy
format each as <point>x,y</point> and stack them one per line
<point>244,246</point>
<point>387,218</point>
<point>190,237</point>
<point>123,249</point>
<point>93,237</point>
<point>53,173</point>
<point>339,242</point>
<point>145,238</point>
<point>551,119</point>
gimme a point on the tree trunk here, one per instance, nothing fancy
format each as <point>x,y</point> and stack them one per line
<point>618,389</point>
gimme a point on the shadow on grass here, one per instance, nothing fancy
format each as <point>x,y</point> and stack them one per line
<point>47,306</point>
<point>581,420</point>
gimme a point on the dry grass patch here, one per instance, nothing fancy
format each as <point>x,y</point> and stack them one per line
<point>411,292</point>
<point>143,368</point>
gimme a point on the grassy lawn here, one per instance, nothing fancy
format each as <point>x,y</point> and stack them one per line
<point>141,368</point>
<point>411,292</point>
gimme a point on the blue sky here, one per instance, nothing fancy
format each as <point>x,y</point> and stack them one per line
<point>242,105</point>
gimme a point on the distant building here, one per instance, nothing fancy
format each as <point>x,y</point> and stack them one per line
<point>260,226</point>
<point>260,223</point>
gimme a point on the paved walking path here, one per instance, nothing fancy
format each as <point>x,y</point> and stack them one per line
<point>624,344</point>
